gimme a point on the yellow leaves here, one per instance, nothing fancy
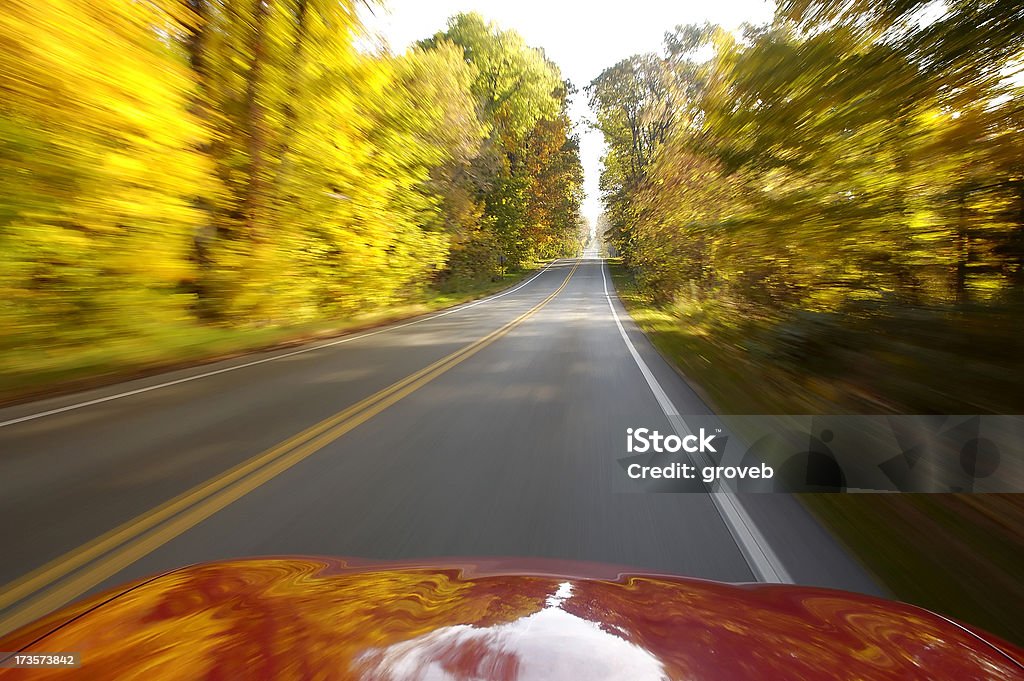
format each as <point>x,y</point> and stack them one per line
<point>103,137</point>
<point>265,169</point>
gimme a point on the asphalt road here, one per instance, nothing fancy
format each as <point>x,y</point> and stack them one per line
<point>489,430</point>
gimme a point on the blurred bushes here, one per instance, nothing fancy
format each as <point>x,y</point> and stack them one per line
<point>846,185</point>
<point>170,164</point>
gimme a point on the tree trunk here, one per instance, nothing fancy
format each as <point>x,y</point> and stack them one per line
<point>294,89</point>
<point>963,252</point>
<point>256,122</point>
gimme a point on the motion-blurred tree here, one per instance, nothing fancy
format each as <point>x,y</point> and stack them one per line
<point>101,170</point>
<point>847,166</point>
<point>242,162</point>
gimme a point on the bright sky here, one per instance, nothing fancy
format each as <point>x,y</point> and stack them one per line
<point>583,38</point>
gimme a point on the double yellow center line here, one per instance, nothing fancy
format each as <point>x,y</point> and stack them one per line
<point>81,569</point>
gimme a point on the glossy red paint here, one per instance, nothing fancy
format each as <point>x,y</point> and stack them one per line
<point>319,618</point>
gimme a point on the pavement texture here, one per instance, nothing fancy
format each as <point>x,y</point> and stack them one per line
<point>508,449</point>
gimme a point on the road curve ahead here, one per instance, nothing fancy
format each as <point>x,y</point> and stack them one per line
<point>492,429</point>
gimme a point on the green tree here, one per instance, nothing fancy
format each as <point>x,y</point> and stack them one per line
<point>515,86</point>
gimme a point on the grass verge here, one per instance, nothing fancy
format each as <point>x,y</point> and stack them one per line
<point>959,555</point>
<point>29,373</point>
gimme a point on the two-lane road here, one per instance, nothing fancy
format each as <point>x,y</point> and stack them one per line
<point>491,429</point>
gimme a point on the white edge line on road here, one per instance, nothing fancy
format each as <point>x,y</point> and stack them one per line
<point>762,560</point>
<point>207,374</point>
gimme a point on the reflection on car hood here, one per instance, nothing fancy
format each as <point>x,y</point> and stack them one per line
<point>317,618</point>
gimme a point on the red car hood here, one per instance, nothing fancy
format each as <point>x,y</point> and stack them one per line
<point>318,618</point>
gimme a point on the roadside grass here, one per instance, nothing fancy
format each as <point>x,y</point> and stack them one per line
<point>31,372</point>
<point>959,555</point>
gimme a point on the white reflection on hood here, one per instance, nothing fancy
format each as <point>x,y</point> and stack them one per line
<point>549,644</point>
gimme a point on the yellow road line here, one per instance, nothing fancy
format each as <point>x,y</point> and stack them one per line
<point>130,541</point>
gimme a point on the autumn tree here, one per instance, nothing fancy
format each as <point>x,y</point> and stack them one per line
<point>184,165</point>
<point>102,173</point>
<point>515,88</point>
<point>826,176</point>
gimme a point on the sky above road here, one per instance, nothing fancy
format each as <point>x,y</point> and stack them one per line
<point>583,38</point>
